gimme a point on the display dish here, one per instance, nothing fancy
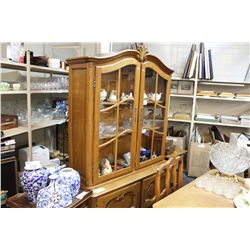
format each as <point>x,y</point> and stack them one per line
<point>228,160</point>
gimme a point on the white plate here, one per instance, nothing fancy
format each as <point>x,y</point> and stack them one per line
<point>240,201</point>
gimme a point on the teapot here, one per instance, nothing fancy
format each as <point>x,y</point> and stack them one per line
<point>103,95</point>
<point>112,96</point>
<point>154,97</point>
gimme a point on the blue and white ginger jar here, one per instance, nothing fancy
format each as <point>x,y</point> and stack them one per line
<point>55,195</point>
<point>70,177</point>
<point>52,168</point>
<point>33,179</point>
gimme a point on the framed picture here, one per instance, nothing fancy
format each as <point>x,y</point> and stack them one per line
<point>174,87</point>
<point>185,88</point>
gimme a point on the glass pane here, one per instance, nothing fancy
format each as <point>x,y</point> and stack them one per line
<point>154,107</point>
<point>148,115</point>
<point>108,92</point>
<point>161,104</point>
<point>116,119</point>
<point>107,158</point>
<point>146,143</point>
<point>157,145</point>
<point>126,116</point>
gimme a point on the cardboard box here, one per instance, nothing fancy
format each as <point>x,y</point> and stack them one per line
<point>198,163</point>
<point>178,142</point>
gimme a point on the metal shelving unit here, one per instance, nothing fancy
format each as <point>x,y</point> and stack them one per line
<point>28,68</point>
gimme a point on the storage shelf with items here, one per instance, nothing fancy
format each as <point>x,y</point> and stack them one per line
<point>18,93</point>
<point>128,95</point>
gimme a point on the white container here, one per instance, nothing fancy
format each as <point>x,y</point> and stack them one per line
<point>54,63</point>
<point>16,86</point>
<point>39,153</point>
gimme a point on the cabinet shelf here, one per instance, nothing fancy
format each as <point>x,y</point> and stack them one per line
<point>180,95</point>
<point>223,98</point>
<point>12,65</point>
<point>49,91</point>
<point>122,102</point>
<point>223,82</point>
<point>22,129</point>
<point>40,69</point>
<point>178,120</point>
<point>15,131</point>
<point>222,124</point>
<point>47,124</point>
<point>183,79</point>
<point>13,92</point>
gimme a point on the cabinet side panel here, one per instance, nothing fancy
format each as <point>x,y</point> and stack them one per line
<point>77,120</point>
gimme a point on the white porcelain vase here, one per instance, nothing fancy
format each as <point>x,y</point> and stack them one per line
<point>70,177</point>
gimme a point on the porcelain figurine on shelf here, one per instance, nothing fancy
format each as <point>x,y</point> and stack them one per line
<point>145,102</point>
<point>154,97</point>
<point>103,95</point>
<point>112,96</point>
<point>123,96</point>
<point>106,167</point>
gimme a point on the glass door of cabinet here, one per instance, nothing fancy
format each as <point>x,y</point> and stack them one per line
<point>153,112</point>
<point>115,119</point>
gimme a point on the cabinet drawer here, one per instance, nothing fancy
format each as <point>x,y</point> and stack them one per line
<point>148,190</point>
<point>123,198</point>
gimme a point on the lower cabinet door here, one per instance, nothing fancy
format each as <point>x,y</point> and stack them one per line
<point>127,197</point>
<point>148,190</point>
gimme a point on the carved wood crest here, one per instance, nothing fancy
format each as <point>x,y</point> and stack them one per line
<point>143,52</point>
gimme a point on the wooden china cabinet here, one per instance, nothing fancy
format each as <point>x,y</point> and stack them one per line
<point>118,107</point>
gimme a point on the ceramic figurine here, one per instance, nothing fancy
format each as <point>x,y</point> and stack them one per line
<point>112,96</point>
<point>127,157</point>
<point>106,167</point>
<point>103,95</point>
<point>145,102</point>
<point>55,195</point>
<point>158,97</point>
<point>33,179</point>
<point>70,177</point>
<point>155,97</point>
<point>123,96</point>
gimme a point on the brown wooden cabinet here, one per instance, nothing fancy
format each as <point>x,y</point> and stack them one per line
<point>118,108</point>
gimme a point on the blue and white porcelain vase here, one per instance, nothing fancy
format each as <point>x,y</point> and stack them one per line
<point>70,177</point>
<point>33,179</point>
<point>52,168</point>
<point>55,195</point>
